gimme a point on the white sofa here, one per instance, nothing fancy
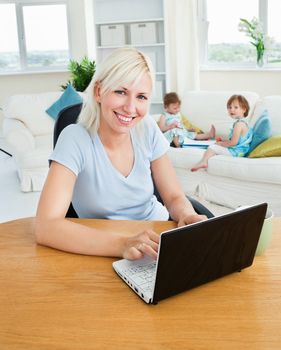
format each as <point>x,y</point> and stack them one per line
<point>28,130</point>
<point>229,181</point>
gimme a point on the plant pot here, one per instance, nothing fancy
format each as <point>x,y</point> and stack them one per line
<point>260,61</point>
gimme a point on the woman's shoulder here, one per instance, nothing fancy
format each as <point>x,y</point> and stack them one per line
<point>150,125</point>
<point>74,135</point>
<point>74,131</point>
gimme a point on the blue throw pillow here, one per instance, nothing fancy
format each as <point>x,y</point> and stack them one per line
<point>69,98</point>
<point>261,130</point>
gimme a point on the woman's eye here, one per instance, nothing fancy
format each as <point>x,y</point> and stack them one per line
<point>120,92</point>
<point>142,97</point>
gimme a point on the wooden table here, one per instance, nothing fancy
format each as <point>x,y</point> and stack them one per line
<point>55,300</point>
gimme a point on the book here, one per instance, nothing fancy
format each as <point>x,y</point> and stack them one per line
<point>197,143</point>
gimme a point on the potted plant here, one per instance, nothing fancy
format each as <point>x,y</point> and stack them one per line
<point>254,30</point>
<point>80,74</point>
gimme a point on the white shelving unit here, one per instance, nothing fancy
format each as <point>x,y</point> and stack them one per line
<point>134,23</point>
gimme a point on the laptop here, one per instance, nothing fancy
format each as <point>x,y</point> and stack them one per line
<point>195,254</point>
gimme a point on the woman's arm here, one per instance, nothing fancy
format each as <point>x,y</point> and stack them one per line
<point>168,186</point>
<point>53,230</point>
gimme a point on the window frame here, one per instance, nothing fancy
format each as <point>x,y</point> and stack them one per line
<point>203,40</point>
<point>23,66</point>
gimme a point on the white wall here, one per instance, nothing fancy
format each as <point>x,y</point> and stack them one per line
<point>264,82</point>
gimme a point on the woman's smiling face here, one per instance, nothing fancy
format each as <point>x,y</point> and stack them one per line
<point>124,107</point>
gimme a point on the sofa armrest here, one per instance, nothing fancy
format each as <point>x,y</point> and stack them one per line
<point>18,136</point>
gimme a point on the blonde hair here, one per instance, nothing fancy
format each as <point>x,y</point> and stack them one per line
<point>124,66</point>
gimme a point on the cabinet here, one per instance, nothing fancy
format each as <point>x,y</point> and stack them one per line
<point>135,23</point>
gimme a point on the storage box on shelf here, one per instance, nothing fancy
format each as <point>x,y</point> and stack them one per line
<point>134,23</point>
<point>143,33</point>
<point>113,34</point>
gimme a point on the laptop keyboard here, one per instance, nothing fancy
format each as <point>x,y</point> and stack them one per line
<point>143,275</point>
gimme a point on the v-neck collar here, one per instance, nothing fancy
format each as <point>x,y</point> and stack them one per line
<point>107,159</point>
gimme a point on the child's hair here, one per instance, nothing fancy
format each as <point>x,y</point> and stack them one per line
<point>171,97</point>
<point>243,103</point>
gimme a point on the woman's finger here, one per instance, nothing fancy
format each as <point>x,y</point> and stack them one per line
<point>147,250</point>
<point>153,236</point>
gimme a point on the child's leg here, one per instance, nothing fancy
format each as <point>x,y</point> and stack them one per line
<point>207,135</point>
<point>203,163</point>
<point>176,141</point>
<point>211,151</point>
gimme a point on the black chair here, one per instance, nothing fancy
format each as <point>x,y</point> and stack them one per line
<point>66,117</point>
<point>197,206</point>
<point>69,116</point>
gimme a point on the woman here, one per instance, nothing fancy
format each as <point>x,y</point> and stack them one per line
<point>103,165</point>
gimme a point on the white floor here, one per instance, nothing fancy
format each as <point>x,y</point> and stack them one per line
<point>15,204</point>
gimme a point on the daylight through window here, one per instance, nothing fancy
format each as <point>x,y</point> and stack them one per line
<point>221,42</point>
<point>33,36</point>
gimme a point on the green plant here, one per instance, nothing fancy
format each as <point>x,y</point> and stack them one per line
<point>254,30</point>
<point>80,74</point>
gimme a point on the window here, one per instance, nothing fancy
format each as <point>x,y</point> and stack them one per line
<point>33,35</point>
<point>274,31</point>
<point>221,43</point>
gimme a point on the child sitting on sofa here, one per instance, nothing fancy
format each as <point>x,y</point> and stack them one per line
<point>171,123</point>
<point>240,136</point>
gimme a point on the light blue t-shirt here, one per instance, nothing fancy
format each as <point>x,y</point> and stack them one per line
<point>101,191</point>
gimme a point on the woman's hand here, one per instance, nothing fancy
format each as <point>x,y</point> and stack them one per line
<point>191,219</point>
<point>144,243</point>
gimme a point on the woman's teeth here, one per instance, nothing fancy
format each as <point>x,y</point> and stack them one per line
<point>123,118</point>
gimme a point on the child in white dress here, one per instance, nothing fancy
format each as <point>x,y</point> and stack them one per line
<point>171,124</point>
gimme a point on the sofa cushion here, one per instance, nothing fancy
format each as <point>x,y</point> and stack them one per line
<point>268,148</point>
<point>273,105</point>
<point>188,125</point>
<point>238,168</point>
<point>30,109</point>
<point>69,98</point>
<point>205,108</point>
<point>246,169</point>
<point>261,130</point>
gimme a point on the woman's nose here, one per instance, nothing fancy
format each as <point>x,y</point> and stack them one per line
<point>129,106</point>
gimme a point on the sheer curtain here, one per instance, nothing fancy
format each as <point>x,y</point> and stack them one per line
<point>182,50</point>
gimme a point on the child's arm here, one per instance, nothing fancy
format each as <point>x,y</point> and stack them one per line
<point>238,129</point>
<point>162,124</point>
